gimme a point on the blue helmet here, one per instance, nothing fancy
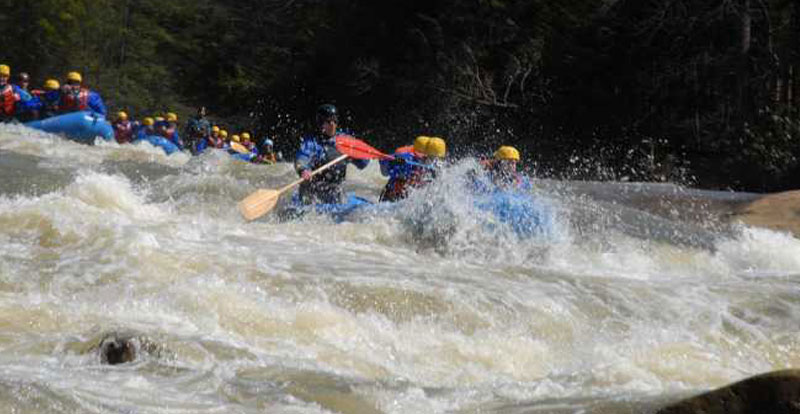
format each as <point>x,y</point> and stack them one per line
<point>268,142</point>
<point>325,112</point>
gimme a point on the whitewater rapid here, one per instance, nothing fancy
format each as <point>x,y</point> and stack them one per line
<point>617,306</point>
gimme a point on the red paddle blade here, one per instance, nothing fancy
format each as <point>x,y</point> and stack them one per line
<point>356,148</point>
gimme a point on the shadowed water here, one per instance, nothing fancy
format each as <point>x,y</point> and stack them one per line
<point>636,295</point>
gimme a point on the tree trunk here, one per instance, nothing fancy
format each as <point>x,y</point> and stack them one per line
<point>742,72</point>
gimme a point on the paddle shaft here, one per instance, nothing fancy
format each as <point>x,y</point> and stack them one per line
<point>313,173</point>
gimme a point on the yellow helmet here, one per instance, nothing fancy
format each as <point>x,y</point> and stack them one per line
<point>420,143</point>
<point>5,70</point>
<point>235,138</point>
<point>52,85</point>
<point>121,115</point>
<point>159,119</point>
<point>75,77</point>
<point>148,121</point>
<point>214,128</point>
<point>223,133</point>
<point>172,117</point>
<point>245,136</point>
<point>436,147</point>
<point>506,153</point>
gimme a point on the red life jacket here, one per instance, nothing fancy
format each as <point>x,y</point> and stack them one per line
<point>71,102</point>
<point>8,100</point>
<point>123,131</point>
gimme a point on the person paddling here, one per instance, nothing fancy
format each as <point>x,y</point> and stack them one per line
<point>9,96</point>
<point>76,97</point>
<point>123,128</point>
<point>28,106</point>
<point>267,153</point>
<point>49,99</point>
<point>146,129</point>
<point>502,170</point>
<point>197,130</point>
<point>317,149</point>
<point>169,129</point>
<point>402,175</point>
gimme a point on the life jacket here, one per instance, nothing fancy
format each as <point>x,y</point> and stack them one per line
<point>167,132</point>
<point>8,100</point>
<point>71,102</point>
<point>395,190</point>
<point>123,131</point>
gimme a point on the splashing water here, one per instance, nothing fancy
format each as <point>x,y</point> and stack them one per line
<point>427,306</point>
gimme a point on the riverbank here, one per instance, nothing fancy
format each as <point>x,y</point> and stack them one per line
<point>778,211</point>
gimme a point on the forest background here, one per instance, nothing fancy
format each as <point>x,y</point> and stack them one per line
<point>702,92</point>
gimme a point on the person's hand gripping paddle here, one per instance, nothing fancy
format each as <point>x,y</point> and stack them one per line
<point>263,201</point>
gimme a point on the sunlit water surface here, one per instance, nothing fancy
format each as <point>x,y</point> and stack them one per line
<point>423,309</point>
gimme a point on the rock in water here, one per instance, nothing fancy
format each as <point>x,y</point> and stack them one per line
<point>773,393</point>
<point>780,211</point>
<point>115,349</point>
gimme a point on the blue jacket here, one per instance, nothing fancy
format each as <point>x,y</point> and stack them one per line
<point>314,152</point>
<point>398,170</point>
<point>96,103</point>
<point>27,102</point>
<point>143,132</point>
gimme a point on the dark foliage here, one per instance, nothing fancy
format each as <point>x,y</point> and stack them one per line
<point>704,91</point>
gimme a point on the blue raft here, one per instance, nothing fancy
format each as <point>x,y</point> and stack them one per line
<point>158,141</point>
<point>82,126</point>
<point>248,157</point>
<point>338,212</point>
<point>526,216</point>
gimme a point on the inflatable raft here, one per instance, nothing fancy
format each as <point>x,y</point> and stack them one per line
<point>524,215</point>
<point>338,212</point>
<point>158,141</point>
<point>83,126</point>
<point>248,157</point>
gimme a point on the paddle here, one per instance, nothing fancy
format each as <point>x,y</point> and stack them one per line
<point>263,201</point>
<point>355,148</point>
<point>241,149</point>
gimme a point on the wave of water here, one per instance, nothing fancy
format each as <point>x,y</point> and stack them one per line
<point>620,306</point>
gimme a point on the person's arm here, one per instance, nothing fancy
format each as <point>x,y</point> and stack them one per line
<point>304,157</point>
<point>385,167</point>
<point>96,103</point>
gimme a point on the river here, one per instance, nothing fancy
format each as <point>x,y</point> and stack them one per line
<point>621,306</point>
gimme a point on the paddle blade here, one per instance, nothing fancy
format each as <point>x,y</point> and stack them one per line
<point>355,148</point>
<point>241,149</point>
<point>259,203</point>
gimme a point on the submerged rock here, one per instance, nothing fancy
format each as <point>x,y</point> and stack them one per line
<point>120,347</point>
<point>773,393</point>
